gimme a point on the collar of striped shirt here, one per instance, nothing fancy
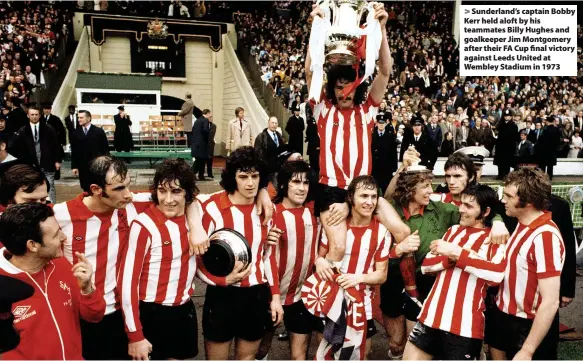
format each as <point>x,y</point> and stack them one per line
<point>81,212</point>
<point>159,217</point>
<point>544,218</point>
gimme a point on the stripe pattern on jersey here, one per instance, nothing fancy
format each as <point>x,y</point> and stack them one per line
<point>455,303</point>
<point>533,252</point>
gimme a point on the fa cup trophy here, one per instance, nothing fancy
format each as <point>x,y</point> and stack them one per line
<point>339,39</point>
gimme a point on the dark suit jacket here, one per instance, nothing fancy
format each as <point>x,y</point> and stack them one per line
<point>85,148</point>
<point>524,152</point>
<point>546,147</point>
<point>58,126</point>
<point>267,150</point>
<point>69,124</point>
<point>384,154</point>
<point>211,140</point>
<point>50,149</point>
<point>506,143</point>
<point>424,146</point>
<point>200,134</point>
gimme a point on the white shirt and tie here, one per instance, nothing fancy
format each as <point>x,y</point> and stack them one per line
<point>86,129</point>
<point>34,128</point>
<point>275,140</point>
<point>417,138</point>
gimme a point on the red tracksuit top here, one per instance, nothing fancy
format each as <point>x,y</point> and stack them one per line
<point>48,322</point>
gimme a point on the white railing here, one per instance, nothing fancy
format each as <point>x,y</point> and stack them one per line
<point>67,94</point>
<point>253,109</point>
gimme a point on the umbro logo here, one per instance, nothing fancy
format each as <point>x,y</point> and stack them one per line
<point>166,243</point>
<point>21,313</point>
<point>78,238</point>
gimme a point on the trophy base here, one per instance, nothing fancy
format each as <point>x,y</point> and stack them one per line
<point>341,57</point>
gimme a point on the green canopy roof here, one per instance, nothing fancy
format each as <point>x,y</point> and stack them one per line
<point>118,81</point>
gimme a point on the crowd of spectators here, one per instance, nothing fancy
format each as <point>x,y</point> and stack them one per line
<point>425,79</point>
<point>29,39</point>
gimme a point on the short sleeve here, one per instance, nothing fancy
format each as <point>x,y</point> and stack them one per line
<point>385,238</point>
<point>547,253</point>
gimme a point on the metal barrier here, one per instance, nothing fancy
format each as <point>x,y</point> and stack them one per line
<point>273,103</point>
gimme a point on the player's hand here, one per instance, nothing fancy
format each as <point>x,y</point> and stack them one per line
<point>410,157</point>
<point>337,213</point>
<point>198,242</point>
<point>324,269</point>
<point>317,11</point>
<point>276,310</point>
<point>83,271</point>
<point>264,205</point>
<point>380,13</point>
<point>273,236</point>
<point>410,244</point>
<point>566,301</point>
<point>444,248</point>
<point>140,350</point>
<point>238,273</point>
<point>499,233</point>
<point>75,172</point>
<point>349,280</point>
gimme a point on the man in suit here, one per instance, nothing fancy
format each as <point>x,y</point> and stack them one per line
<point>295,128</point>
<point>200,133</point>
<point>505,144</point>
<point>239,131</point>
<point>535,133</point>
<point>545,149</point>
<point>186,116</point>
<point>87,143</point>
<point>524,150</point>
<point>268,145</point>
<point>38,143</point>
<point>211,148</point>
<point>71,121</point>
<point>384,154</point>
<point>578,120</point>
<point>57,125</point>
<point>421,142</point>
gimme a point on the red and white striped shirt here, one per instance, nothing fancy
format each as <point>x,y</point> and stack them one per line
<point>155,266</point>
<point>365,246</point>
<point>296,249</point>
<point>101,236</point>
<point>345,141</point>
<point>456,301</point>
<point>534,252</point>
<point>218,212</point>
<point>445,198</point>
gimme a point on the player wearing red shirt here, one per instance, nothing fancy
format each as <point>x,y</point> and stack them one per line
<point>48,321</point>
<point>451,322</point>
<point>524,323</point>
<point>345,120</point>
<point>242,311</point>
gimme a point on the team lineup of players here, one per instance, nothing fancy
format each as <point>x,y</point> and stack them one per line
<point>317,252</point>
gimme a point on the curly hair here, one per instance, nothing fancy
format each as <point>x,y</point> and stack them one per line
<point>174,170</point>
<point>20,176</point>
<point>244,159</point>
<point>533,186</point>
<point>347,73</point>
<point>406,185</point>
<point>287,173</point>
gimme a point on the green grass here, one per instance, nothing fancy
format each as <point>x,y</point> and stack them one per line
<point>571,350</point>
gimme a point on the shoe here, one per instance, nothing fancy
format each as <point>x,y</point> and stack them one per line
<point>201,179</point>
<point>284,336</point>
<point>211,177</point>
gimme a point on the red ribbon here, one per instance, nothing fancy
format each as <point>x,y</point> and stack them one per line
<point>360,54</point>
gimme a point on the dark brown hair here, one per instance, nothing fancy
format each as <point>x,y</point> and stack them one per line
<point>533,186</point>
